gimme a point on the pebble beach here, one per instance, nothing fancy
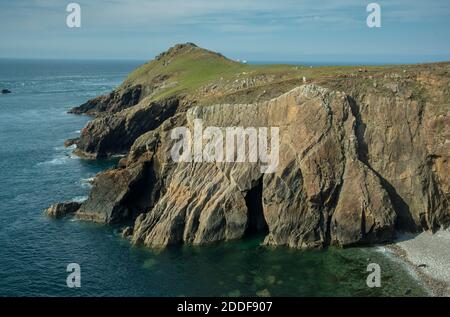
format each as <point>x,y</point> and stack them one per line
<point>428,256</point>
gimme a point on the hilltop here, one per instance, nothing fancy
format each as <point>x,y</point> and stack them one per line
<point>188,70</point>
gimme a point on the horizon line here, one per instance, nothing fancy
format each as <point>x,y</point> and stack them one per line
<point>389,60</point>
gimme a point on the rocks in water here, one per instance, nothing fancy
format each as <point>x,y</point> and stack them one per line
<point>70,142</point>
<point>127,232</point>
<point>60,210</point>
<point>263,293</point>
<point>110,200</point>
<point>6,91</point>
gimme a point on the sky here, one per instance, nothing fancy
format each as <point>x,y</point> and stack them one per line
<point>254,30</point>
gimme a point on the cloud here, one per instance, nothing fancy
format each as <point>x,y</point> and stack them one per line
<point>249,24</point>
<point>222,15</point>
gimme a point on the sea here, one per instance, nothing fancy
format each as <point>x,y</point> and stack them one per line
<point>35,251</point>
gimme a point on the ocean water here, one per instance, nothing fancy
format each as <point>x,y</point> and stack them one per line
<point>36,171</point>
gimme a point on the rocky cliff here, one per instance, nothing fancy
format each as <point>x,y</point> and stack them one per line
<point>363,153</point>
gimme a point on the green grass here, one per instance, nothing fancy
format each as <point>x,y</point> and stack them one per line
<point>184,70</point>
<point>190,70</point>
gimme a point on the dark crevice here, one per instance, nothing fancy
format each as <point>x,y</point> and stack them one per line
<point>363,225</point>
<point>405,222</point>
<point>142,195</point>
<point>360,130</point>
<point>256,223</point>
<point>326,215</point>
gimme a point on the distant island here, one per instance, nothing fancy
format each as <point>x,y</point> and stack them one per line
<point>364,152</point>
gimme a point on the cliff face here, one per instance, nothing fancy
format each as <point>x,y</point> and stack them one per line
<point>113,102</point>
<point>115,133</point>
<point>321,192</point>
<point>363,153</point>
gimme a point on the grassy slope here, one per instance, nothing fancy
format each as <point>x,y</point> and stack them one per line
<point>187,68</point>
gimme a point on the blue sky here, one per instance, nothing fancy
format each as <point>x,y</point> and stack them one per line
<point>256,30</point>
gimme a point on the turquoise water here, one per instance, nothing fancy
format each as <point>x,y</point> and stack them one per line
<point>36,171</point>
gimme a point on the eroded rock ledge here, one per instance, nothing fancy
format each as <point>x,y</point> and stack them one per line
<point>60,210</point>
<point>116,101</point>
<point>353,170</point>
<point>115,133</point>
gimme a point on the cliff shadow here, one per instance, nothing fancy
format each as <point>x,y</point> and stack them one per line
<point>405,221</point>
<point>256,224</point>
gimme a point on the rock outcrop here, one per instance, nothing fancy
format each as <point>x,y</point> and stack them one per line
<point>60,210</point>
<point>116,101</point>
<point>404,137</point>
<point>114,134</point>
<point>362,155</point>
<point>321,193</point>
<point>127,232</point>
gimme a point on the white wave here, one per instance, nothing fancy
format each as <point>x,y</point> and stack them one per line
<point>66,150</point>
<point>87,182</point>
<point>86,185</point>
<point>382,249</point>
<point>79,199</point>
<point>74,157</point>
<point>60,160</point>
<point>56,161</point>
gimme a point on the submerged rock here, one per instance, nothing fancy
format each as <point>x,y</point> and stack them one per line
<point>127,232</point>
<point>60,210</point>
<point>70,142</point>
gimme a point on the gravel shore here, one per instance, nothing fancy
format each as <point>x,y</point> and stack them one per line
<point>428,255</point>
